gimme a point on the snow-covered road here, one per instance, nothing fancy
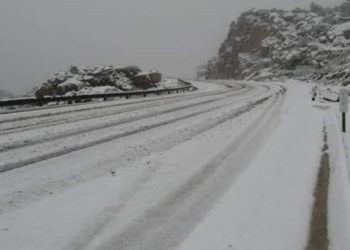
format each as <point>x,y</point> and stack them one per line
<point>231,166</point>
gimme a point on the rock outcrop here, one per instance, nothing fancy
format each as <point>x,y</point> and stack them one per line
<point>109,79</point>
<point>267,44</point>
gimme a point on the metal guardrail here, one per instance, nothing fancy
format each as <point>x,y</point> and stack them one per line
<point>82,98</point>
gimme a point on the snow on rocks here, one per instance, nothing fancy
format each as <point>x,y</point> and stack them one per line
<point>341,30</point>
<point>113,79</point>
<point>283,43</point>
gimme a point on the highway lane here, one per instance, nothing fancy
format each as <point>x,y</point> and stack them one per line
<point>137,177</point>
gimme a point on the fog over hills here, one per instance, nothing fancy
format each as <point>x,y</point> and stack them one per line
<point>4,94</point>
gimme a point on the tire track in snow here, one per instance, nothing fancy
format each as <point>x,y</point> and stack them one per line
<point>77,108</point>
<point>166,224</point>
<point>165,142</point>
<point>48,138</point>
<point>36,123</point>
<point>21,163</point>
<point>87,107</point>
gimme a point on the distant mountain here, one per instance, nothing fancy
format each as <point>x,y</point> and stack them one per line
<point>275,44</point>
<point>4,94</point>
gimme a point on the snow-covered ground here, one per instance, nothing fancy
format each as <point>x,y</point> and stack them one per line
<point>269,206</point>
<point>231,166</point>
<point>339,184</point>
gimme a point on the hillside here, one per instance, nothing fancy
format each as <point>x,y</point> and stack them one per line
<point>276,44</point>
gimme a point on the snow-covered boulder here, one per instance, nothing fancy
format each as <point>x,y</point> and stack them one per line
<point>341,30</point>
<point>72,84</point>
<point>339,41</point>
<point>124,84</point>
<point>156,77</point>
<point>142,81</point>
<point>146,80</point>
<point>292,59</point>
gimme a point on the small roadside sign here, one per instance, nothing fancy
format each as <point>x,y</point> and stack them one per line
<point>343,100</point>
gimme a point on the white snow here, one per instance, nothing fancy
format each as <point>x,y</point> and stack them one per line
<point>73,81</point>
<point>338,30</point>
<point>339,190</point>
<point>269,206</point>
<point>95,90</point>
<point>228,174</point>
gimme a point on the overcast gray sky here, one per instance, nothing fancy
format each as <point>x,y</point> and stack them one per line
<point>40,37</point>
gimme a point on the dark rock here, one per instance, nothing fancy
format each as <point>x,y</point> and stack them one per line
<point>142,81</point>
<point>156,77</point>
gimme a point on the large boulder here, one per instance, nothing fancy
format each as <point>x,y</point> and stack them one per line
<point>147,80</point>
<point>69,85</point>
<point>45,90</point>
<point>142,81</point>
<point>292,59</point>
<point>156,77</point>
<point>339,41</point>
<point>341,30</point>
<point>72,84</point>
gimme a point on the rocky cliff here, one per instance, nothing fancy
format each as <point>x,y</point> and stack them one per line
<point>274,44</point>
